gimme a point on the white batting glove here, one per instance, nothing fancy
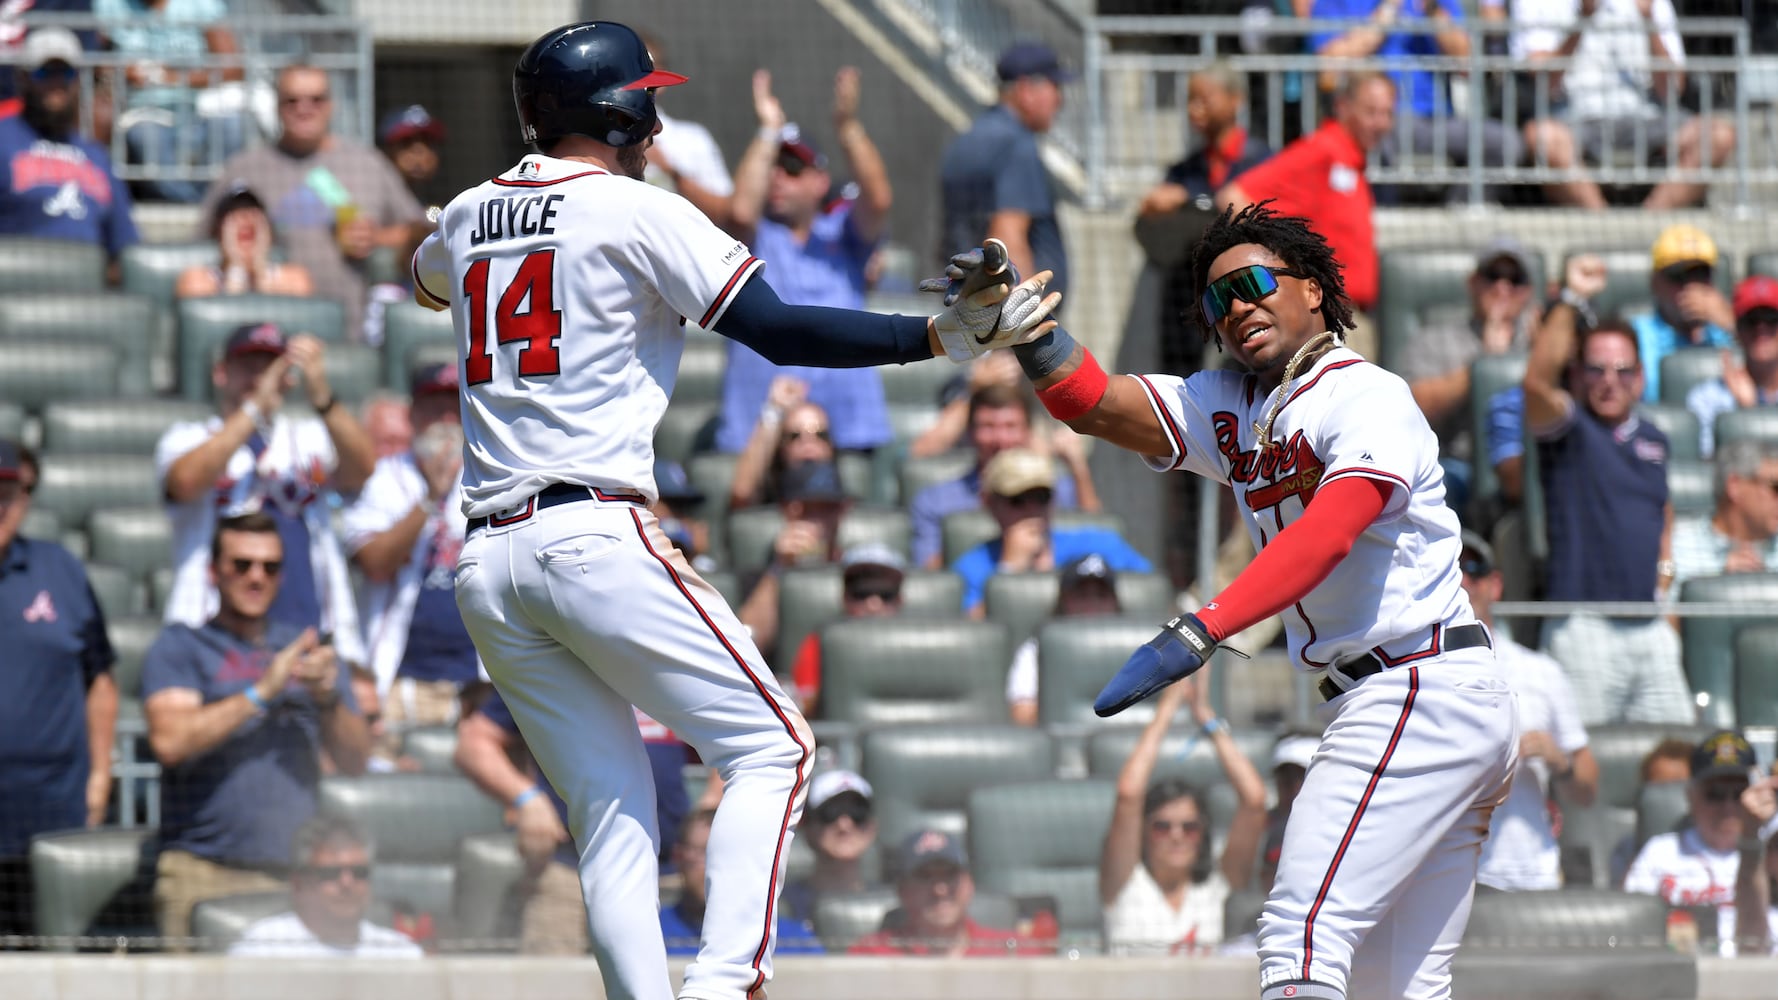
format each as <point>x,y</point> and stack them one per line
<point>994,318</point>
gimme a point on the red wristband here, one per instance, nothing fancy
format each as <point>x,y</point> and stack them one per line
<point>1076,395</point>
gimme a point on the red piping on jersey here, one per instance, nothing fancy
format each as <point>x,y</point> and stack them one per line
<point>503,182</point>
<point>1436,648</point>
<point>413,266</point>
<point>734,281</point>
<point>1304,615</point>
<point>802,763</point>
<point>1167,422</point>
<point>1359,470</point>
<point>1407,708</point>
<point>1306,386</point>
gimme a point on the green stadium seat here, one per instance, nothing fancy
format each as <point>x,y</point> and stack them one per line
<point>1708,644</point>
<point>1075,657</point>
<point>916,474</point>
<point>28,264</point>
<point>1240,913</point>
<point>1487,376</point>
<point>1108,748</point>
<point>40,372</point>
<point>114,426</point>
<point>1588,839</point>
<point>1685,368</point>
<point>1756,675</point>
<point>841,918</point>
<point>434,748</point>
<point>1763,262</point>
<point>809,597</point>
<point>1414,279</point>
<point>1620,747</point>
<point>12,421</point>
<point>128,323</point>
<point>1567,920</point>
<point>1043,838</point>
<point>160,587</point>
<point>41,524</point>
<point>408,326</point>
<point>153,269</point>
<point>687,430</point>
<point>81,873</point>
<point>1660,808</point>
<point>920,383</point>
<point>908,421</point>
<point>923,776</point>
<point>220,922</point>
<point>1691,487</point>
<point>130,638</point>
<point>118,591</point>
<point>137,539</point>
<point>1757,424</point>
<point>1679,424</point>
<point>752,530</point>
<point>76,485</point>
<point>205,323</point>
<point>1024,601</point>
<point>489,870</point>
<point>1627,273</point>
<point>700,373</point>
<point>896,670</point>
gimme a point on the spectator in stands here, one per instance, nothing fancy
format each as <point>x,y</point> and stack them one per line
<point>945,433</point>
<point>1162,891</point>
<point>243,235</point>
<point>1521,850</point>
<point>1611,95</point>
<point>241,710</point>
<point>999,418</point>
<point>329,897</point>
<point>386,423</point>
<point>841,827</point>
<point>679,508</point>
<point>1320,177</point>
<point>818,242</point>
<point>1751,380</point>
<point>251,457</point>
<point>1610,522</point>
<point>1741,534</point>
<point>1019,489</point>
<point>1291,756</point>
<point>813,502</point>
<point>1756,919</point>
<point>12,40</point>
<point>1214,100</point>
<point>335,201</point>
<point>1433,126</point>
<point>1086,586</point>
<point>935,890</point>
<point>992,178</point>
<point>871,575</point>
<point>1667,762</point>
<point>682,923</point>
<point>404,532</point>
<point>163,115</point>
<point>58,719</point>
<point>685,157</point>
<point>410,138</point>
<point>1502,315</point>
<point>1699,864</point>
<point>790,429</point>
<point>56,183</point>
<point>1689,310</point>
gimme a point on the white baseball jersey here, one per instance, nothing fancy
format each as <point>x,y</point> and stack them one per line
<point>1521,850</point>
<point>1683,870</point>
<point>1344,417</point>
<point>570,287</point>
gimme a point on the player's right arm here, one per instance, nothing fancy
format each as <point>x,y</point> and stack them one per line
<point>1124,413</point>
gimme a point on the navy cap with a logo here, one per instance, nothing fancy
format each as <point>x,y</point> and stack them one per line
<point>1031,59</point>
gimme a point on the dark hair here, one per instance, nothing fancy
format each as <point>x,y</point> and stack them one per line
<point>28,460</point>
<point>256,522</point>
<point>1165,792</point>
<point>1671,748</point>
<point>998,396</point>
<point>1613,325</point>
<point>1292,239</point>
<point>325,831</point>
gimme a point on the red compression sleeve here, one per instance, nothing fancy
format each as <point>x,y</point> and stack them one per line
<point>1302,556</point>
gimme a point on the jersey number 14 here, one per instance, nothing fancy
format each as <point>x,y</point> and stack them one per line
<point>538,327</point>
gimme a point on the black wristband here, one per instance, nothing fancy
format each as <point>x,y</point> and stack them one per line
<point>1582,306</point>
<point>325,408</point>
<point>1044,355</point>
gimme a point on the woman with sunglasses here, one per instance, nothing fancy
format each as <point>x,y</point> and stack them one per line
<point>1161,892</point>
<point>791,429</point>
<point>1336,474</point>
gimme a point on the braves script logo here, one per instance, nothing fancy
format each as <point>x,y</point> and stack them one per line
<point>1293,469</point>
<point>42,609</point>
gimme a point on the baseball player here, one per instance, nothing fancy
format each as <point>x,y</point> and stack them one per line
<point>569,281</point>
<point>1336,475</point>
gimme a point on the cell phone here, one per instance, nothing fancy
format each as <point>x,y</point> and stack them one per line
<point>325,639</point>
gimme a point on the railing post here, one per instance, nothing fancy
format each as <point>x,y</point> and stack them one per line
<point>1095,114</point>
<point>1478,106</point>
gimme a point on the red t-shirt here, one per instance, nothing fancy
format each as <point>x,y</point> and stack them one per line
<point>983,942</point>
<point>1321,178</point>
<point>805,672</point>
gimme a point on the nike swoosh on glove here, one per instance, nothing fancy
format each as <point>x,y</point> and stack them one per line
<point>1182,647</point>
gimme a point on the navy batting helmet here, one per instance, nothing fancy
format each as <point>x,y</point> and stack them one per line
<point>594,79</point>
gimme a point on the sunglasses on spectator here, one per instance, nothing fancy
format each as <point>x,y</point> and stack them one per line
<point>1039,497</point>
<point>297,100</point>
<point>1474,567</point>
<point>1717,793</point>
<point>850,806</point>
<point>54,72</point>
<point>792,165</point>
<point>1509,274</point>
<point>819,433</point>
<point>1622,373</point>
<point>1249,284</point>
<point>1163,827</point>
<point>242,567</point>
<point>865,590</point>
<point>332,873</point>
<point>1762,321</point>
<point>1687,274</point>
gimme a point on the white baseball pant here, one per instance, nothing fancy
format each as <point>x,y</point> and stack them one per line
<point>1379,860</point>
<point>581,610</point>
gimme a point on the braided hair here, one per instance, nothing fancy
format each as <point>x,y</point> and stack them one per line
<point>1299,246</point>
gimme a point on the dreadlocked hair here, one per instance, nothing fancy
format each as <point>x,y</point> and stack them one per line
<point>1299,246</point>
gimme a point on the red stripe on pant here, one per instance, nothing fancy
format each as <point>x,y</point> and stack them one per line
<point>765,939</point>
<point>1407,708</point>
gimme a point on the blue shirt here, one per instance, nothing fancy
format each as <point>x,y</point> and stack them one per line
<point>1656,338</point>
<point>682,932</point>
<point>438,646</point>
<point>1712,399</point>
<point>932,505</point>
<point>1418,91</point>
<point>1506,424</point>
<point>1605,495</point>
<point>981,562</point>
<point>826,270</point>
<point>54,636</point>
<point>997,166</point>
<point>61,190</point>
<point>240,802</point>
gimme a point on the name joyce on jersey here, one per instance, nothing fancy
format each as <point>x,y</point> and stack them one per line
<point>519,215</point>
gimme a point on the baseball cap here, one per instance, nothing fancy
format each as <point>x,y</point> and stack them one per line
<point>254,338</point>
<point>1683,244</point>
<point>1030,59</point>
<point>812,481</point>
<point>1016,470</point>
<point>1505,248</point>
<point>928,846</point>
<point>1476,548</point>
<point>837,781</point>
<point>671,483</point>
<point>440,377</point>
<point>1723,754</point>
<point>411,122</point>
<point>1091,566</point>
<point>1295,748</point>
<point>1757,292</point>
<point>50,44</point>
<point>238,195</point>
<point>872,555</point>
<point>11,460</point>
<point>792,140</point>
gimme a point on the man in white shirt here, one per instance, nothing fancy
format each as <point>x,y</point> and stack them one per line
<point>329,896</point>
<point>1610,96</point>
<point>250,457</point>
<point>1741,534</point>
<point>1521,850</point>
<point>685,158</point>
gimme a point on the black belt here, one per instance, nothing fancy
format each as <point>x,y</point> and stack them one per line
<point>1443,641</point>
<point>555,496</point>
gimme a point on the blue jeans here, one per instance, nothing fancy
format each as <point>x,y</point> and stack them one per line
<point>172,139</point>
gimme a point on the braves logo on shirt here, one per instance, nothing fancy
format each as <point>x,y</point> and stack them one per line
<point>41,608</point>
<point>59,165</point>
<point>1293,469</point>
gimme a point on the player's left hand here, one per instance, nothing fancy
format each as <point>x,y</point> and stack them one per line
<point>994,317</point>
<point>972,271</point>
<point>1180,650</point>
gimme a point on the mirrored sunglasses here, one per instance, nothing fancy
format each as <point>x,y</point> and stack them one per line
<point>1248,284</point>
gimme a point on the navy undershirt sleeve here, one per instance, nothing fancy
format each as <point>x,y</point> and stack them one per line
<point>819,336</point>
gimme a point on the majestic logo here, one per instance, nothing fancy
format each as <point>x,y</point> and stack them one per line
<point>1292,468</point>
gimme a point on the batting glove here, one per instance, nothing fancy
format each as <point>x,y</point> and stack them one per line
<point>983,313</point>
<point>1183,646</point>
